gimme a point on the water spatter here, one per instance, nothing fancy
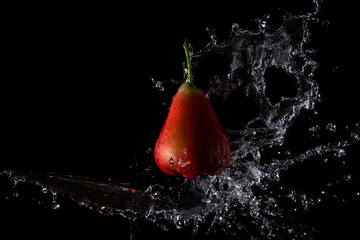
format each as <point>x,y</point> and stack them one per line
<point>253,192</point>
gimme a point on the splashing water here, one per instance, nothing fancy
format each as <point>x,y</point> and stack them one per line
<point>252,197</point>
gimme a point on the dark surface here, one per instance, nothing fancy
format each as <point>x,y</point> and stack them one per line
<point>78,99</point>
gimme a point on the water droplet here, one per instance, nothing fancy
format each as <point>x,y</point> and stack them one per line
<point>171,162</point>
<point>262,24</point>
<point>354,136</point>
<point>55,204</point>
<point>331,127</point>
<point>348,177</point>
<point>340,153</point>
<point>181,163</point>
<point>157,85</point>
<point>325,23</point>
<point>314,128</point>
<point>148,150</point>
<point>44,190</point>
<point>234,27</point>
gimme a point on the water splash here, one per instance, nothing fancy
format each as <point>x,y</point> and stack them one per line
<point>252,198</point>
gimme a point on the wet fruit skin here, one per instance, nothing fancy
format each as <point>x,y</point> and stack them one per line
<point>191,142</point>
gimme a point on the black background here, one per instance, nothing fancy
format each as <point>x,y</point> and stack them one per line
<point>77,96</point>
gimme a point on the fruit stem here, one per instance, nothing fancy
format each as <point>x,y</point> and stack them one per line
<point>188,62</point>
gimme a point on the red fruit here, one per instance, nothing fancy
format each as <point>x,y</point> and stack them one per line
<point>191,142</point>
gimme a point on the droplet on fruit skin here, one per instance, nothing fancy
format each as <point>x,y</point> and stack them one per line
<point>181,163</point>
<point>171,162</point>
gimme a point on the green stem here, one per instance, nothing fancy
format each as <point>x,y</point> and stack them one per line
<point>188,62</point>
